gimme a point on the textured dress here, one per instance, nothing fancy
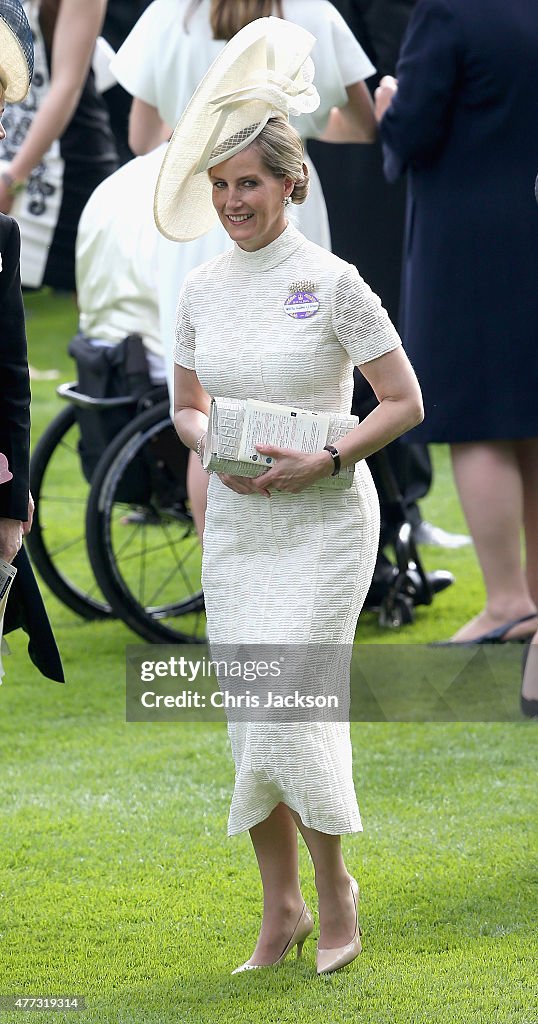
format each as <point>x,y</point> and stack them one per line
<point>295,568</point>
<point>162,62</point>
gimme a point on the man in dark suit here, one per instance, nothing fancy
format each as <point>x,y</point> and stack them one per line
<point>25,607</point>
<point>14,395</point>
<point>16,69</point>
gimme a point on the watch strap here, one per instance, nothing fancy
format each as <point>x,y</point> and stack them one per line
<point>335,456</point>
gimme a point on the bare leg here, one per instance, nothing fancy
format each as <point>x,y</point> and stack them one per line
<point>197,481</point>
<point>275,845</point>
<point>527,456</point>
<point>529,688</point>
<point>488,479</point>
<point>336,905</point>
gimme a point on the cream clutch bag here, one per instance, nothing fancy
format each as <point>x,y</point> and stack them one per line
<point>236,425</point>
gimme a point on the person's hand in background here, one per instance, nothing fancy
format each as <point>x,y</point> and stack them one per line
<point>384,94</point>
<point>27,526</point>
<point>11,533</point>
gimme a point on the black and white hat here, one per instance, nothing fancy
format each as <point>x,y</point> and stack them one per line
<point>16,51</point>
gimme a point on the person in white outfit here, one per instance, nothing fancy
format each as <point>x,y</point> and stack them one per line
<point>117,261</point>
<point>288,556</point>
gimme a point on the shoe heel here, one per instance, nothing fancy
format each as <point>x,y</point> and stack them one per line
<point>300,948</point>
<point>329,960</point>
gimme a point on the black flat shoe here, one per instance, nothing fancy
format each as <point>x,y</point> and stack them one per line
<point>494,636</point>
<point>529,706</point>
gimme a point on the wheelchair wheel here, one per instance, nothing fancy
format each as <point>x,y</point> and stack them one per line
<point>141,539</point>
<point>57,541</point>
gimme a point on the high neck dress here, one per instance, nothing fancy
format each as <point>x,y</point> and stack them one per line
<point>292,569</point>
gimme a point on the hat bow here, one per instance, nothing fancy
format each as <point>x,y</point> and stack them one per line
<point>284,95</point>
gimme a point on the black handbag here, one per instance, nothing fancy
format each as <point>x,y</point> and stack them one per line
<point>109,372</point>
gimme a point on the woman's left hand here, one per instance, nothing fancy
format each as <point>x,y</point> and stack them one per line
<point>292,471</point>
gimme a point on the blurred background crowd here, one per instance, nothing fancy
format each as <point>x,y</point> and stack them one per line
<point>423,156</point>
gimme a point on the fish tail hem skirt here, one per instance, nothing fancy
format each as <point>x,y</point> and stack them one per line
<point>317,782</point>
<point>260,814</point>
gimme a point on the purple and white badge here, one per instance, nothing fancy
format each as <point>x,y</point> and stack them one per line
<point>302,303</point>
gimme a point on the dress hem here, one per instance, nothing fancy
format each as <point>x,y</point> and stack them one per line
<point>262,815</point>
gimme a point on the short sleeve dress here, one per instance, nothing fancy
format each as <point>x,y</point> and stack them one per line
<point>233,329</point>
<point>162,61</point>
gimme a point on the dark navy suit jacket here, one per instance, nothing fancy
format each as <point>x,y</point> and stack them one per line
<point>14,380</point>
<point>464,125</point>
<point>25,608</point>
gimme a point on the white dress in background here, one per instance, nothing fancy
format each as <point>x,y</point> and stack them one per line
<point>162,64</point>
<point>293,569</point>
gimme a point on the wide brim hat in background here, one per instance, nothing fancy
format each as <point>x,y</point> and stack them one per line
<point>264,71</point>
<point>16,51</point>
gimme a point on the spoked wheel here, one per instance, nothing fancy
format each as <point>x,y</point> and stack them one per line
<point>141,539</point>
<point>57,541</point>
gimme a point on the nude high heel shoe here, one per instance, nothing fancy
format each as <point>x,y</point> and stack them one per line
<point>302,930</point>
<point>328,960</point>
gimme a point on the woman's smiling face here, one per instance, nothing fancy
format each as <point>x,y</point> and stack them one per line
<point>249,199</point>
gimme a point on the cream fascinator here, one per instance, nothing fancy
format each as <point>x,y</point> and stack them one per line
<point>263,72</point>
<point>16,51</point>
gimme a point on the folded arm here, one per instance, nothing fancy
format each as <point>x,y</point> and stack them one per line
<point>146,128</point>
<point>355,122</point>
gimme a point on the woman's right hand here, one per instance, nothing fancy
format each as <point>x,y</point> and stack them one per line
<point>242,484</point>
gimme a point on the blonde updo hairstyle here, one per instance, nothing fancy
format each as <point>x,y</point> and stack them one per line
<point>281,149</point>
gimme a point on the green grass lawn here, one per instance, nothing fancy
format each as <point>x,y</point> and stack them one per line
<point>117,881</point>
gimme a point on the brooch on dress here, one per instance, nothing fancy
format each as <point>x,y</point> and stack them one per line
<point>302,302</point>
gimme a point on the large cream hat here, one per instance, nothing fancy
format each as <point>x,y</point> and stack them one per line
<point>16,51</point>
<point>264,71</point>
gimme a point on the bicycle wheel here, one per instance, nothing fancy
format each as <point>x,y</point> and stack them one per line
<point>144,551</point>
<point>57,541</point>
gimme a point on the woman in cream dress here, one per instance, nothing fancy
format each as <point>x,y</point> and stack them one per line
<point>288,557</point>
